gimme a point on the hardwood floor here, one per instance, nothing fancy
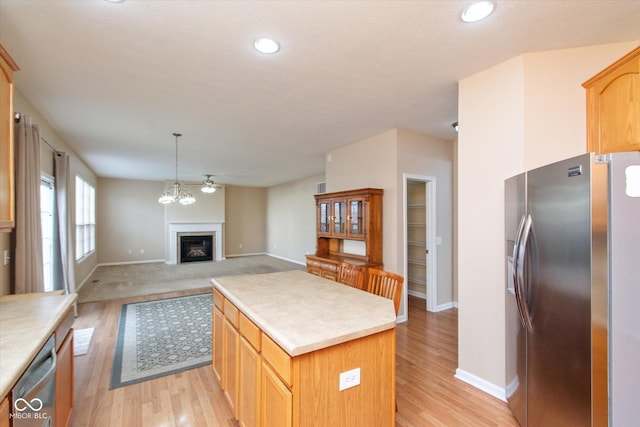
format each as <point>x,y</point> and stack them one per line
<point>427,392</point>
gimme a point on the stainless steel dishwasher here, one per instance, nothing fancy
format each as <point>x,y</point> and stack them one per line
<point>33,397</point>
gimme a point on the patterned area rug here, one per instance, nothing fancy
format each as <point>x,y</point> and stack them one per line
<point>162,337</point>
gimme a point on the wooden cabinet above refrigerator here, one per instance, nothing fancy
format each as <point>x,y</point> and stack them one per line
<point>613,106</point>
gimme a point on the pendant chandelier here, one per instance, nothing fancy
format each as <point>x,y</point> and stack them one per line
<point>177,192</point>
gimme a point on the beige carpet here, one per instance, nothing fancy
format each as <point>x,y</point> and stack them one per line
<point>130,280</point>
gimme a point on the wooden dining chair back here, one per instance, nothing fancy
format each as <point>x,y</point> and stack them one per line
<point>352,275</point>
<point>385,284</point>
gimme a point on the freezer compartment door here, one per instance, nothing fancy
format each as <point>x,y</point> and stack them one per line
<point>558,294</point>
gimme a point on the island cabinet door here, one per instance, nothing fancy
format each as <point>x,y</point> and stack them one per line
<point>231,344</point>
<point>276,400</point>
<point>218,351</point>
<point>249,393</point>
<point>4,413</point>
<point>64,382</point>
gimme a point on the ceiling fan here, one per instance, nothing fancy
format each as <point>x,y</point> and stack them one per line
<point>208,186</point>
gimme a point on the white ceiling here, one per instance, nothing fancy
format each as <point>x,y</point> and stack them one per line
<point>116,80</point>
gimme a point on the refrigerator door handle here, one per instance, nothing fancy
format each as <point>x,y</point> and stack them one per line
<point>520,284</point>
<point>516,266</point>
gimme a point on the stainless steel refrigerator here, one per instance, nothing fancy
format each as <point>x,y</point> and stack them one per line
<point>573,292</point>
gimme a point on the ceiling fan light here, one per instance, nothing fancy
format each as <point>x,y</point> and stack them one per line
<point>207,188</point>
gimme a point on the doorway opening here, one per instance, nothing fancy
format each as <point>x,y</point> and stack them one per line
<point>420,239</point>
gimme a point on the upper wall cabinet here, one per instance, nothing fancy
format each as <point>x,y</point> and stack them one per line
<point>613,106</point>
<point>7,210</point>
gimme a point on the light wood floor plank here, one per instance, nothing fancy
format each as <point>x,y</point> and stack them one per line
<point>426,360</point>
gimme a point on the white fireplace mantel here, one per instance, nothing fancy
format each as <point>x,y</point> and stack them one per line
<point>193,227</point>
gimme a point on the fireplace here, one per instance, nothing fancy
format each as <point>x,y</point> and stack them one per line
<point>196,247</point>
<point>177,230</point>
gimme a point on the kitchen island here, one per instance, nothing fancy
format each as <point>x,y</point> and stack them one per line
<point>293,349</point>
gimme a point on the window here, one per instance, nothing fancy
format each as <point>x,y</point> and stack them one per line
<point>46,217</point>
<point>85,218</point>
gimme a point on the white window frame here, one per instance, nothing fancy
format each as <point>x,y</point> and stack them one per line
<point>47,214</point>
<point>85,218</point>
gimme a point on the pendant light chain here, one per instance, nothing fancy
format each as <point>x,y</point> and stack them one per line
<point>177,193</point>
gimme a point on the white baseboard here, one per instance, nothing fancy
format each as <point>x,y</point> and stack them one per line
<point>86,278</point>
<point>417,294</point>
<point>441,307</point>
<point>445,306</point>
<point>481,384</point>
<point>148,261</point>
<point>287,259</point>
<point>241,255</point>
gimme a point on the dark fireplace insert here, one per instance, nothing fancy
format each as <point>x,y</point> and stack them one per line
<point>196,248</point>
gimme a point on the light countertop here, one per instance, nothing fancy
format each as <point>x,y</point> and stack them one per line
<point>26,322</point>
<point>303,313</point>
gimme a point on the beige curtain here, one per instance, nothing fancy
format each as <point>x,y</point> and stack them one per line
<point>28,233</point>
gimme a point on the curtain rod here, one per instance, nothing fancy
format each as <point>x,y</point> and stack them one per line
<point>17,119</point>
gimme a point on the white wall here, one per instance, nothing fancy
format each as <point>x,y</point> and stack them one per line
<point>246,220</point>
<point>523,113</point>
<point>427,156</point>
<point>76,166</point>
<point>129,218</point>
<point>380,162</point>
<point>371,163</point>
<point>291,219</point>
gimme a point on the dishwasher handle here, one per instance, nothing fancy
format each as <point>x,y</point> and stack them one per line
<point>39,385</point>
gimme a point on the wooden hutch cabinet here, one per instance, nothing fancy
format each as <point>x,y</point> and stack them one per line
<point>7,68</point>
<point>348,229</point>
<point>613,106</point>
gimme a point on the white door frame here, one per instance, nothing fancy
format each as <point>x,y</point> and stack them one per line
<point>432,276</point>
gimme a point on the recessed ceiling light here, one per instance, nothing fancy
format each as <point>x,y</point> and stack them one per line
<point>266,46</point>
<point>477,11</point>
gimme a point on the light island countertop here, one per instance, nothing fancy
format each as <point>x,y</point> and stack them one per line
<point>26,322</point>
<point>304,313</point>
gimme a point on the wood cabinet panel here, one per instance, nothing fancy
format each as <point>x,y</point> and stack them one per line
<point>231,313</point>
<point>250,331</point>
<point>4,413</point>
<point>230,372</point>
<point>276,400</point>
<point>613,107</point>
<point>7,185</point>
<point>323,267</point>
<point>218,299</point>
<point>250,376</point>
<point>372,402</point>
<point>218,350</point>
<point>277,358</point>
<point>64,382</point>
